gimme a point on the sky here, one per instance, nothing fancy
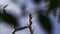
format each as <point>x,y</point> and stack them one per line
<point>15,9</point>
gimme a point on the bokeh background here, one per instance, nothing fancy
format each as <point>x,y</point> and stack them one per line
<point>45,13</point>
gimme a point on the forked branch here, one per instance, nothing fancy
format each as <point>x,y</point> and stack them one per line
<point>4,9</point>
<point>22,28</point>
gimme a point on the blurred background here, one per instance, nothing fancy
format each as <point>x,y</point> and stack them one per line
<point>45,13</point>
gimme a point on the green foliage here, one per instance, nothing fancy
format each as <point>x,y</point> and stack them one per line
<point>58,2</point>
<point>44,21</point>
<point>53,5</point>
<point>8,18</point>
<point>54,12</point>
<point>36,1</point>
<point>59,17</point>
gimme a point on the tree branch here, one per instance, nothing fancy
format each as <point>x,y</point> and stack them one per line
<point>30,23</point>
<point>4,9</point>
<point>17,29</point>
<point>28,26</point>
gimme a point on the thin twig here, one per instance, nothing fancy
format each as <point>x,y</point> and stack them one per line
<point>28,26</point>
<point>17,29</point>
<point>4,9</point>
<point>30,23</point>
<point>31,31</point>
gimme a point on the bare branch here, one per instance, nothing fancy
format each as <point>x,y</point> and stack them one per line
<point>31,31</point>
<point>28,26</point>
<point>30,23</point>
<point>4,9</point>
<point>17,29</point>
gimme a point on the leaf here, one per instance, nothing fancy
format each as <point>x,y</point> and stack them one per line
<point>59,17</point>
<point>9,19</point>
<point>58,2</point>
<point>54,12</point>
<point>44,21</point>
<point>36,1</point>
<point>47,12</point>
<point>52,6</point>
